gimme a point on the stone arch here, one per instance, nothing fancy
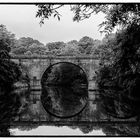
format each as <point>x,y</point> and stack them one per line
<point>82,69</point>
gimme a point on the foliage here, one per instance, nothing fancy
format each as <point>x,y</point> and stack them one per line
<point>26,42</point>
<point>19,51</point>
<point>28,53</point>
<point>9,71</point>
<point>71,48</point>
<point>85,45</point>
<point>28,46</point>
<point>23,45</point>
<point>122,15</point>
<point>124,71</point>
<point>9,74</point>
<point>38,49</point>
<point>106,49</point>
<point>55,46</point>
<point>47,10</point>
<point>10,105</point>
<point>81,11</point>
<point>7,39</point>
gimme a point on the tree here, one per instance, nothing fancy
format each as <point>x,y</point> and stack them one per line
<point>122,76</point>
<point>27,41</point>
<point>20,50</point>
<point>85,45</point>
<point>71,48</point>
<point>24,44</point>
<point>55,47</point>
<point>37,49</point>
<point>9,74</point>
<point>47,10</point>
<point>9,71</point>
<point>121,15</point>
<point>106,49</point>
<point>28,53</point>
<point>81,11</point>
<point>7,39</point>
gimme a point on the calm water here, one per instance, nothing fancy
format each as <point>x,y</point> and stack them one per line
<point>65,106</point>
<point>94,117</point>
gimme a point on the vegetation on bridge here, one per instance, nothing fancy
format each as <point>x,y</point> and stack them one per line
<point>30,47</point>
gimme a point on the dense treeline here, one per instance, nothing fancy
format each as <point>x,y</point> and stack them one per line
<point>10,74</point>
<point>9,71</point>
<point>28,46</point>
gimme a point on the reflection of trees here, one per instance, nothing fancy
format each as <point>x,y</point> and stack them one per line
<point>110,106</point>
<point>10,75</point>
<point>121,130</point>
<point>9,107</point>
<point>123,76</point>
<point>63,101</point>
<point>87,128</point>
<point>103,111</point>
<point>111,129</point>
<point>120,109</point>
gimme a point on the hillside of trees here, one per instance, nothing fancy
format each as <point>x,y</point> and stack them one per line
<point>30,47</point>
<point>10,73</point>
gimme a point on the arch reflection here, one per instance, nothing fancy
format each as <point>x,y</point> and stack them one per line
<point>64,102</point>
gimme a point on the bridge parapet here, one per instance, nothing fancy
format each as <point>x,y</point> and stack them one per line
<point>55,57</point>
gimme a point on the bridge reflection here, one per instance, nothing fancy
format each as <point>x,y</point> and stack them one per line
<point>92,114</point>
<point>113,113</point>
<point>92,117</point>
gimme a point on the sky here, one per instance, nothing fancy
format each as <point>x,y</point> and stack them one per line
<point>21,20</point>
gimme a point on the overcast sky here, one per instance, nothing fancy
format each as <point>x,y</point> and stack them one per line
<point>20,20</point>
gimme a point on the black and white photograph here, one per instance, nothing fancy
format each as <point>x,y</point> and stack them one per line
<point>69,69</point>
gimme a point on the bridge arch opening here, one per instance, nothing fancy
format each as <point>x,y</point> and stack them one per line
<point>64,73</point>
<point>64,89</point>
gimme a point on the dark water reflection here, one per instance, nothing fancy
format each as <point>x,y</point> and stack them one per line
<point>96,109</point>
<point>64,102</point>
<point>119,106</point>
<point>9,107</point>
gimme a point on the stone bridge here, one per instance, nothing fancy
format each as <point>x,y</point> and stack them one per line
<point>36,115</point>
<point>34,67</point>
